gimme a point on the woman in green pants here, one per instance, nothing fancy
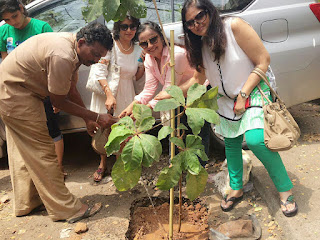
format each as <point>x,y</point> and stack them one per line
<point>225,51</point>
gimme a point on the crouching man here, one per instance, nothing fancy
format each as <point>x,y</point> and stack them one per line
<point>47,65</point>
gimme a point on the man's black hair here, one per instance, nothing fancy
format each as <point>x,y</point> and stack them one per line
<point>96,32</point>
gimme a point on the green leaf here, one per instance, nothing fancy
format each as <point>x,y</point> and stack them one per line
<point>195,121</point>
<point>147,160</point>
<point>126,121</point>
<point>196,184</point>
<point>124,180</point>
<point>132,154</point>
<point>118,134</point>
<point>136,8</point>
<point>195,92</point>
<point>146,124</point>
<point>178,142</point>
<point>166,104</point>
<point>182,126</point>
<point>194,141</point>
<point>169,177</point>
<point>164,132</point>
<point>196,117</point>
<point>95,8</point>
<point>192,162</point>
<point>151,145</point>
<point>177,94</point>
<point>140,112</point>
<point>207,100</point>
<point>202,155</point>
<point>120,14</point>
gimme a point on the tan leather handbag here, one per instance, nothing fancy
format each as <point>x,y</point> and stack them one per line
<point>281,131</point>
<point>99,140</point>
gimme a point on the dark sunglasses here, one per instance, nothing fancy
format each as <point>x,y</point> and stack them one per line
<point>124,27</point>
<point>199,18</point>
<point>152,41</point>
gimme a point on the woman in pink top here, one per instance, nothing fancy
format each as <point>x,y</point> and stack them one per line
<point>157,69</point>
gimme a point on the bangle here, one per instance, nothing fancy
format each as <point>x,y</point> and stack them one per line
<point>97,117</point>
<point>104,87</point>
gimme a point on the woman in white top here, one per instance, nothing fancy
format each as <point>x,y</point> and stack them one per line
<point>225,51</point>
<point>127,54</point>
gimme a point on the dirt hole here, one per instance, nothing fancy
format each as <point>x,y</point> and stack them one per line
<point>147,223</point>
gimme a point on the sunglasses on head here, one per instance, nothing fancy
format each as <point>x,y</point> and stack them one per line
<point>199,18</point>
<point>152,41</point>
<point>124,27</point>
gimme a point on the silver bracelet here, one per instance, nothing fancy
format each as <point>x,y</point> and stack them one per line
<point>97,117</point>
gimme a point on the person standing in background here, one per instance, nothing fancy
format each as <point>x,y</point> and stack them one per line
<point>19,28</point>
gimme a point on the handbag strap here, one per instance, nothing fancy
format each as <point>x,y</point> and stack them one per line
<point>114,53</point>
<point>262,75</point>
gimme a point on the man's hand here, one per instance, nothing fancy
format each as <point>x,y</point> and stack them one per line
<point>106,120</point>
<point>162,95</point>
<point>91,127</point>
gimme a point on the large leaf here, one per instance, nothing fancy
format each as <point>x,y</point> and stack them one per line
<point>164,132</point>
<point>192,162</point>
<point>195,122</point>
<point>126,121</point>
<point>124,180</point>
<point>147,160</point>
<point>194,141</point>
<point>196,184</point>
<point>207,100</point>
<point>196,117</point>
<point>120,14</point>
<point>166,104</point>
<point>140,112</point>
<point>132,154</point>
<point>177,94</point>
<point>114,9</point>
<point>169,176</point>
<point>195,92</point>
<point>178,142</point>
<point>118,134</point>
<point>136,8</point>
<point>146,124</point>
<point>151,145</point>
<point>95,8</point>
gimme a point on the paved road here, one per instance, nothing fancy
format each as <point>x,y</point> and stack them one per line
<point>303,166</point>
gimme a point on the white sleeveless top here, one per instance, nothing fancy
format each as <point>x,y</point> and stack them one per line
<point>235,68</point>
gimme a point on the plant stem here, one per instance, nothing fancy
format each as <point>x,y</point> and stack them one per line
<point>180,202</point>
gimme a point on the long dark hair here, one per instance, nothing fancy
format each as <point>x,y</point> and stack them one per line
<point>11,6</point>
<point>216,37</point>
<point>116,28</point>
<point>154,27</point>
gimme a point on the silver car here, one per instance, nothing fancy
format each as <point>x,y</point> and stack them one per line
<point>289,29</point>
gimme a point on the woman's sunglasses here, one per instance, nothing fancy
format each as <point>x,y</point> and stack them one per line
<point>152,41</point>
<point>124,27</point>
<point>199,18</point>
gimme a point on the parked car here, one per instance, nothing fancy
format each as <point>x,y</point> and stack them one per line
<point>289,29</point>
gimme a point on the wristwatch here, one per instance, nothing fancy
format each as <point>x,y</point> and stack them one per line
<point>244,95</point>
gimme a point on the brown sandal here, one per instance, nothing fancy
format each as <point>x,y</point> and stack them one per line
<point>100,172</point>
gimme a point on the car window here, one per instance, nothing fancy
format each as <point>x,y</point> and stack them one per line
<point>63,16</point>
<point>226,6</point>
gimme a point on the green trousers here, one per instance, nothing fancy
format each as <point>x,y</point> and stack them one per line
<point>271,160</point>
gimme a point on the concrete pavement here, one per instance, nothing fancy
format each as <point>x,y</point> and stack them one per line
<point>303,165</point>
